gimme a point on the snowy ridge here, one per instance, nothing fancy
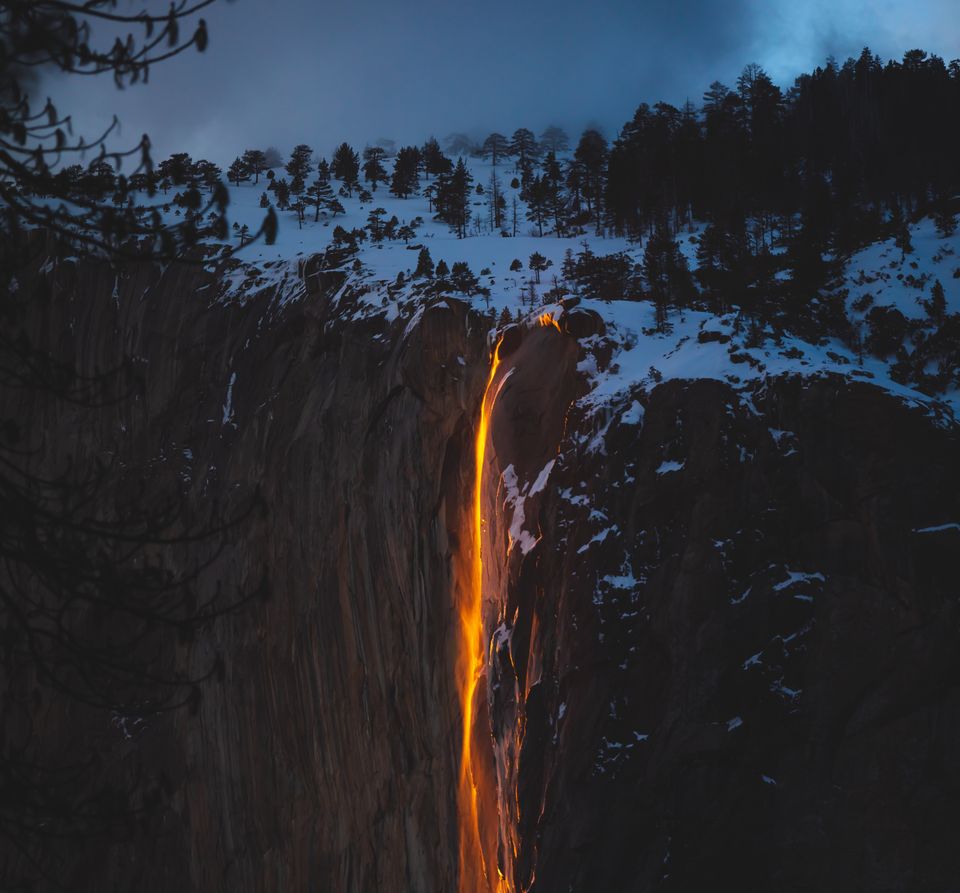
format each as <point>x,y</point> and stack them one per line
<point>696,343</point>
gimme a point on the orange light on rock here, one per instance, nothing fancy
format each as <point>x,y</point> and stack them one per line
<point>546,319</point>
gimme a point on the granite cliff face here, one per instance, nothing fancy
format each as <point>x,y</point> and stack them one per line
<point>719,628</point>
<point>732,657</point>
<point>324,755</point>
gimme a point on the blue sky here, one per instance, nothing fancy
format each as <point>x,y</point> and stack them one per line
<point>280,72</point>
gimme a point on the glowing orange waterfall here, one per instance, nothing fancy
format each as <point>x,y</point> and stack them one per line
<point>473,872</point>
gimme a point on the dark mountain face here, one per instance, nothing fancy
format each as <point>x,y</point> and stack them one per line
<point>731,659</point>
<point>719,628</point>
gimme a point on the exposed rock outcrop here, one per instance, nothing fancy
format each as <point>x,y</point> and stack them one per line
<point>732,659</point>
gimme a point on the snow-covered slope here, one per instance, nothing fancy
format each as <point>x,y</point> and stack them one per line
<point>881,275</point>
<point>699,344</point>
<point>481,249</point>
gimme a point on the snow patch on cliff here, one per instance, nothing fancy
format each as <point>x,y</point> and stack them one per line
<point>669,466</point>
<point>515,499</point>
<point>541,480</point>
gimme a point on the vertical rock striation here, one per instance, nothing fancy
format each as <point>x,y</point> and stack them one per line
<point>325,752</point>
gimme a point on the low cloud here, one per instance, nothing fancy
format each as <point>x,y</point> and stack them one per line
<point>305,71</point>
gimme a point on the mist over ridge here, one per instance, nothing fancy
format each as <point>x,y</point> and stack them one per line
<point>292,72</point>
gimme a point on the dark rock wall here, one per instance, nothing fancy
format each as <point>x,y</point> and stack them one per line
<point>728,663</point>
<point>323,755</point>
<point>741,672</point>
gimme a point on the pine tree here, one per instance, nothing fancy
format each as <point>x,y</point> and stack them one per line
<point>298,167</point>
<point>342,237</point>
<point>901,234</point>
<point>238,172</point>
<point>375,223</point>
<point>206,174</point>
<point>178,169</point>
<point>538,263</point>
<point>524,148</point>
<point>424,268</point>
<point>373,169</point>
<point>463,279</point>
<point>434,161</point>
<point>495,147</point>
<point>538,202</point>
<point>346,166</point>
<point>553,185</point>
<point>256,163</point>
<point>323,171</point>
<point>406,168</point>
<point>453,198</point>
<point>590,158</point>
<point>282,190</point>
<point>574,184</point>
<point>531,293</point>
<point>438,193</point>
<point>727,269</point>
<point>321,194</point>
<point>666,273</point>
<point>430,194</point>
<point>710,271</point>
<point>937,306</point>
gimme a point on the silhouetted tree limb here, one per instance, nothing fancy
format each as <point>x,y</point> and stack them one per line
<point>101,578</point>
